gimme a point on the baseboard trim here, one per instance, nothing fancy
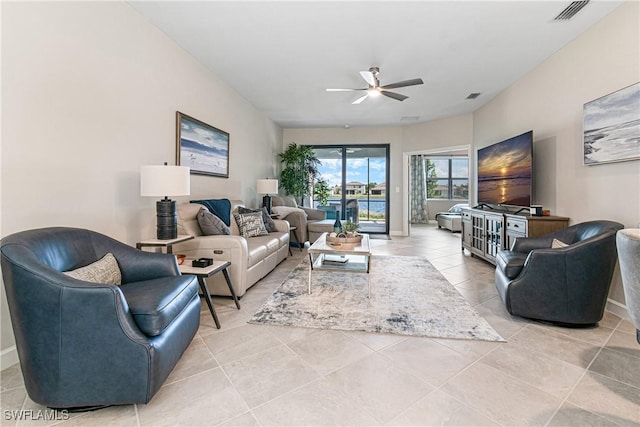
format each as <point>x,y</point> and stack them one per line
<point>8,357</point>
<point>617,308</point>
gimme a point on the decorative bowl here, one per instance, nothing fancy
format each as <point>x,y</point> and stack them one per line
<point>181,258</point>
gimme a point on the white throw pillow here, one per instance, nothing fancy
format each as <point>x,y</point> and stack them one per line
<point>104,271</point>
<point>556,244</point>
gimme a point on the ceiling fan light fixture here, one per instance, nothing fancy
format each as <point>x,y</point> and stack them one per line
<point>373,92</point>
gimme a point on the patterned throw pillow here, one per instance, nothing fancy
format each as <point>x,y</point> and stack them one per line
<point>210,224</point>
<point>250,224</point>
<point>266,218</point>
<point>104,271</point>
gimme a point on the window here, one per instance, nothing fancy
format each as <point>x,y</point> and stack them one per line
<point>447,178</point>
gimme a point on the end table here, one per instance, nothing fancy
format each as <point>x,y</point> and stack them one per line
<point>202,273</point>
<point>163,243</point>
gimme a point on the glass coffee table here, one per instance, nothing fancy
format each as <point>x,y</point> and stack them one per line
<point>349,257</point>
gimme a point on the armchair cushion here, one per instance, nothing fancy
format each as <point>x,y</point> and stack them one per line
<point>210,224</point>
<point>219,207</point>
<point>104,271</point>
<point>155,303</point>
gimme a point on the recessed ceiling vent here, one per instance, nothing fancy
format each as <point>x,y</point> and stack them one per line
<point>473,95</point>
<point>571,10</point>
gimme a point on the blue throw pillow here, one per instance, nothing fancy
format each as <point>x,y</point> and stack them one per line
<point>219,207</point>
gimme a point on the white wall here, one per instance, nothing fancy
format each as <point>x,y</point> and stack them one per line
<point>550,99</point>
<point>89,94</point>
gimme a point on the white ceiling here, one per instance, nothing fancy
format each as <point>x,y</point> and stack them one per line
<point>281,56</point>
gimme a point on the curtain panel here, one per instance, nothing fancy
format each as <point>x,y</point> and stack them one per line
<point>418,194</point>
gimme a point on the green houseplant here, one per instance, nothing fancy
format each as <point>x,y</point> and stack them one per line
<point>321,192</point>
<point>299,171</point>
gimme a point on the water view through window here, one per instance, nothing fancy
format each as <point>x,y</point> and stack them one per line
<point>356,177</point>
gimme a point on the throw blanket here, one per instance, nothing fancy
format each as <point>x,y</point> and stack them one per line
<point>283,211</point>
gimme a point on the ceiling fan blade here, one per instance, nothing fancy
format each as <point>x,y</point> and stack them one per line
<point>359,100</point>
<point>368,77</point>
<point>394,95</point>
<point>343,90</point>
<point>404,83</point>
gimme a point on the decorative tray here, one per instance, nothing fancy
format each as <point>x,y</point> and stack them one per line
<point>340,239</point>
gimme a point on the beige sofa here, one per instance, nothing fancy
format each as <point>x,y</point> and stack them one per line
<point>251,259</point>
<point>300,218</point>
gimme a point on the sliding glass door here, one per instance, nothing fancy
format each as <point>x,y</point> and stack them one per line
<point>357,177</point>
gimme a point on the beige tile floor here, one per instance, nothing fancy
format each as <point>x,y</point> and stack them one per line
<point>252,375</point>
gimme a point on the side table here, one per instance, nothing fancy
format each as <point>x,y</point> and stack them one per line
<point>294,230</point>
<point>163,243</point>
<point>202,273</point>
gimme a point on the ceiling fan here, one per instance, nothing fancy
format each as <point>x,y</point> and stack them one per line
<point>374,89</point>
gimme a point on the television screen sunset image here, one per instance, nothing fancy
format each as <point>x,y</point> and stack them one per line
<point>504,172</point>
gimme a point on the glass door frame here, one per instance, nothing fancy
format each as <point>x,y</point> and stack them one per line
<point>345,155</point>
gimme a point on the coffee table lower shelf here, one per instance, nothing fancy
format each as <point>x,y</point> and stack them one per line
<point>357,258</point>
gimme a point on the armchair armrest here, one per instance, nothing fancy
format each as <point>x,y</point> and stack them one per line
<point>315,214</point>
<point>527,244</point>
<point>136,265</point>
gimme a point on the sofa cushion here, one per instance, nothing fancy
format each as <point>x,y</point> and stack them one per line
<point>210,224</point>
<point>104,271</point>
<point>266,218</point>
<point>250,224</point>
<point>219,207</point>
<point>257,251</point>
<point>155,303</point>
<point>511,263</point>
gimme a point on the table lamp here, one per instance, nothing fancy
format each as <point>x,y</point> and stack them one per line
<point>267,187</point>
<point>159,181</point>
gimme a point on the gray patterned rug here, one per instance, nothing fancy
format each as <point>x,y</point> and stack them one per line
<point>408,297</point>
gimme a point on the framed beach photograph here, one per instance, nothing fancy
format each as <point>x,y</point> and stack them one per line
<point>204,148</point>
<point>612,127</point>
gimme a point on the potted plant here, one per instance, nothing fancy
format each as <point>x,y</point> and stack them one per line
<point>321,192</point>
<point>299,171</point>
<point>351,228</point>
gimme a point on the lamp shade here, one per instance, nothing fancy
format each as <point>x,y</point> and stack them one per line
<point>160,181</point>
<point>267,186</point>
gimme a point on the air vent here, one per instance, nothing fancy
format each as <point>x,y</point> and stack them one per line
<point>571,10</point>
<point>473,95</point>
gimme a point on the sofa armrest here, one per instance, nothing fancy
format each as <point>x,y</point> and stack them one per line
<point>281,225</point>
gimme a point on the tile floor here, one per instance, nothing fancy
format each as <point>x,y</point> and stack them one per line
<point>255,375</point>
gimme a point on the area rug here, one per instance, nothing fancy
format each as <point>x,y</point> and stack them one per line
<point>408,297</point>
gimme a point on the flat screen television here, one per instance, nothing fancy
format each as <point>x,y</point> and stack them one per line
<point>505,170</point>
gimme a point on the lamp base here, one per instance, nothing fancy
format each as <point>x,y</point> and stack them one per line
<point>266,203</point>
<point>167,219</point>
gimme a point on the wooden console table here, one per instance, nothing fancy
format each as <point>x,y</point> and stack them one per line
<point>485,232</point>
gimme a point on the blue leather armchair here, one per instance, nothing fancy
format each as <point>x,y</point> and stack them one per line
<point>566,286</point>
<point>84,345</point>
